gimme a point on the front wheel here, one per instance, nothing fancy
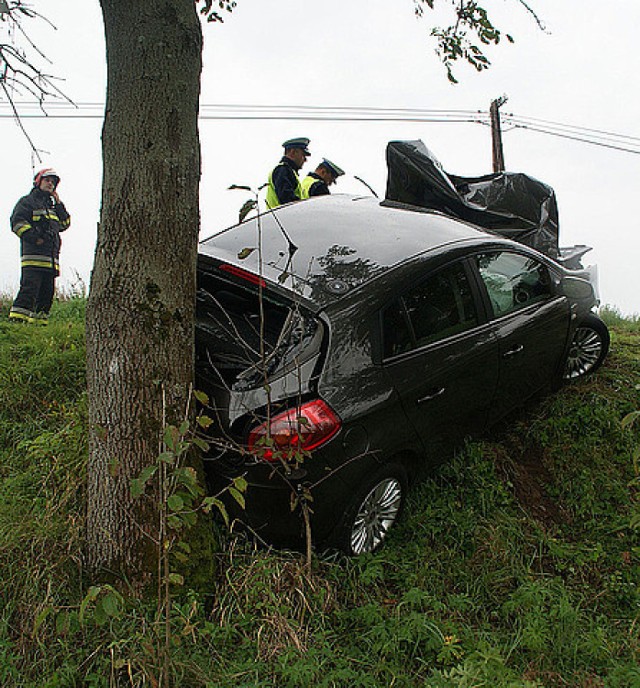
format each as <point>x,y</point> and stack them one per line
<point>372,512</point>
<point>588,349</point>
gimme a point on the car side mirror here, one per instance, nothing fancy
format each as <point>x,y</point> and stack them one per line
<point>576,288</point>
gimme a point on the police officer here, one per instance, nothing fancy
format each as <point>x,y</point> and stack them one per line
<point>317,183</point>
<point>37,220</point>
<point>284,184</point>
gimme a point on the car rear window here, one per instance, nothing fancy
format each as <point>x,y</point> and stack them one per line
<point>239,329</point>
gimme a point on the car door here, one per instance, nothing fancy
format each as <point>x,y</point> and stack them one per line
<point>530,321</point>
<point>440,357</point>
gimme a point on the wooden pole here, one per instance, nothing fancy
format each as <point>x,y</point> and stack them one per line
<point>496,134</point>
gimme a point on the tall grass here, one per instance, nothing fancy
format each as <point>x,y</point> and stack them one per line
<point>516,565</point>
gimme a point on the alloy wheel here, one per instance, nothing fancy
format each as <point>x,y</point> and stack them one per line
<point>376,515</point>
<point>585,352</point>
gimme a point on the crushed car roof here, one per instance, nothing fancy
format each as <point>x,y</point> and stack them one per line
<point>325,246</point>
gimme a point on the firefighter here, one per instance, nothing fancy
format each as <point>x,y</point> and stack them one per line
<point>317,183</point>
<point>37,220</point>
<point>284,184</point>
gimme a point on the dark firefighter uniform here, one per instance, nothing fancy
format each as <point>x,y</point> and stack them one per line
<point>37,220</point>
<point>283,183</point>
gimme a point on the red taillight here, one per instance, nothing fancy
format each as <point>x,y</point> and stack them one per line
<point>243,274</point>
<point>304,428</point>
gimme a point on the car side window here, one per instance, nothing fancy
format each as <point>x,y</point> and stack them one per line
<point>439,307</point>
<point>513,280</point>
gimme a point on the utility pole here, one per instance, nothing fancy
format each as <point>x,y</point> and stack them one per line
<point>496,134</point>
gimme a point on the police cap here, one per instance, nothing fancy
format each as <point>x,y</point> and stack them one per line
<point>300,142</point>
<point>332,167</point>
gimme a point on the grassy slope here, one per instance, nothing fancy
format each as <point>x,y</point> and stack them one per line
<point>516,565</point>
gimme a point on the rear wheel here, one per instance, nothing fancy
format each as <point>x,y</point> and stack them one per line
<point>372,512</point>
<point>589,348</point>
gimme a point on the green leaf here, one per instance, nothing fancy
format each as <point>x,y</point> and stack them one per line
<point>201,444</point>
<point>210,502</point>
<point>167,457</point>
<point>245,253</point>
<point>90,597</point>
<point>100,615</point>
<point>205,421</point>
<point>238,496</point>
<point>185,479</point>
<point>189,518</point>
<point>240,483</point>
<point>184,428</point>
<point>175,522</point>
<point>629,419</point>
<point>182,447</point>
<point>202,397</point>
<point>170,436</point>
<point>175,502</point>
<point>147,473</point>
<point>247,207</point>
<point>176,579</point>
<point>111,604</point>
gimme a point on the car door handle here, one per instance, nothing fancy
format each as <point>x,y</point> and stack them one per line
<point>512,352</point>
<point>436,393</point>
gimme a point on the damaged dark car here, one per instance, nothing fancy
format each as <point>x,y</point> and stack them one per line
<point>347,345</point>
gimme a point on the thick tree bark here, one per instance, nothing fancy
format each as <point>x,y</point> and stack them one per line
<point>142,298</point>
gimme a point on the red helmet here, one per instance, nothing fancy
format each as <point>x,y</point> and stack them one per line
<point>46,172</point>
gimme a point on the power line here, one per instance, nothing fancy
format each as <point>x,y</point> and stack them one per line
<point>360,114</point>
<point>578,138</point>
<point>269,112</point>
<point>535,120</point>
<point>599,137</point>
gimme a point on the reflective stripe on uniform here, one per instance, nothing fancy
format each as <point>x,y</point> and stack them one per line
<point>18,313</point>
<point>20,228</point>
<point>44,215</point>
<point>39,262</point>
<point>39,319</point>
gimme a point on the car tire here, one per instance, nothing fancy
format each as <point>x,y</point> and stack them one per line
<point>372,511</point>
<point>588,349</point>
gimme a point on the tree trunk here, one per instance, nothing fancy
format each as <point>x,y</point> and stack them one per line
<point>142,298</point>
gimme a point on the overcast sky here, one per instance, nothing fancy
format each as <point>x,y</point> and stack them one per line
<point>582,71</point>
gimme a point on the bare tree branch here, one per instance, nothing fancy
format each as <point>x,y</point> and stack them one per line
<point>20,72</point>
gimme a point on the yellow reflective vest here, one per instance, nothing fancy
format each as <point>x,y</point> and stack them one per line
<point>272,197</point>
<point>306,185</point>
